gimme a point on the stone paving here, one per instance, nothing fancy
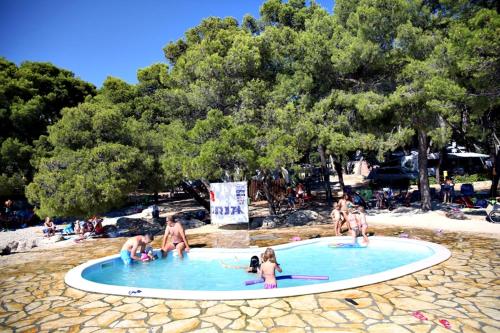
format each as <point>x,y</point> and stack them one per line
<point>465,290</point>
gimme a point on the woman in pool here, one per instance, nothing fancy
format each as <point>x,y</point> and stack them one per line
<point>363,226</point>
<point>352,221</point>
<point>268,269</point>
<point>254,266</point>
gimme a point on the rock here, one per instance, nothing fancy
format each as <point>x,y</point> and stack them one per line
<point>13,246</point>
<point>456,215</point>
<point>231,239</point>
<point>160,220</point>
<point>21,246</point>
<point>5,250</point>
<point>132,227</point>
<point>290,320</point>
<point>185,325</point>
<point>184,313</point>
<point>57,238</point>
<point>110,230</point>
<point>190,223</point>
<point>34,243</point>
<point>270,222</point>
<point>301,217</point>
<point>387,328</point>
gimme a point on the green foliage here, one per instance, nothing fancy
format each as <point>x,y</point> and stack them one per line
<point>477,177</point>
<point>32,96</point>
<point>272,92</point>
<point>85,182</point>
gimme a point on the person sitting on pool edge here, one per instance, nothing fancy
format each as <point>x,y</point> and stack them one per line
<point>133,245</point>
<point>179,241</point>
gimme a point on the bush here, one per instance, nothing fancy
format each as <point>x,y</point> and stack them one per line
<point>470,178</point>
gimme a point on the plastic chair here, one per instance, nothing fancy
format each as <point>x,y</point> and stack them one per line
<point>467,190</point>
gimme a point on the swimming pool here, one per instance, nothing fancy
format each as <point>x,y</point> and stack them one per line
<point>202,275</point>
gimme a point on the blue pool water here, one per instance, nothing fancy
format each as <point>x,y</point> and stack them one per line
<point>203,270</point>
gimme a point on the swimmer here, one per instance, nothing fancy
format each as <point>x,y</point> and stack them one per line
<point>253,267</point>
<point>268,269</point>
<point>179,241</point>
<point>133,245</point>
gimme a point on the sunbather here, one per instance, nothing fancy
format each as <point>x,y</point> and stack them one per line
<point>49,227</point>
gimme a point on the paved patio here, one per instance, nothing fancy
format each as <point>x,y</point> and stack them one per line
<point>465,290</point>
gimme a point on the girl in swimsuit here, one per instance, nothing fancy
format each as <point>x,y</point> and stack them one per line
<point>268,268</point>
<point>337,219</point>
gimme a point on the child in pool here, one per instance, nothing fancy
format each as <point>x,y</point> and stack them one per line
<point>148,254</point>
<point>254,266</point>
<point>268,268</point>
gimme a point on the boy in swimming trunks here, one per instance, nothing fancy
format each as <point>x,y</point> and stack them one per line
<point>268,268</point>
<point>134,245</point>
<point>179,241</point>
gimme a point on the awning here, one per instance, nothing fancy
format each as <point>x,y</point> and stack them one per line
<point>467,155</point>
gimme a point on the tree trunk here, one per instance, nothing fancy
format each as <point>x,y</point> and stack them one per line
<point>326,175</point>
<point>442,156</point>
<point>267,185</point>
<point>338,169</point>
<point>189,189</point>
<point>425,191</point>
<point>495,175</point>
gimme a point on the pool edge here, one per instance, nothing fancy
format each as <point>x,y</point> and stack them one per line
<point>74,279</point>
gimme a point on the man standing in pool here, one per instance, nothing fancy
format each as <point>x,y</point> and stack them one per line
<point>179,241</point>
<point>132,245</point>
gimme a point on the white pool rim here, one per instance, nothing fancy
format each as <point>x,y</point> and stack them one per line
<point>74,278</point>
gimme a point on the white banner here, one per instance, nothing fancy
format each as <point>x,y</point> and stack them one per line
<point>228,203</point>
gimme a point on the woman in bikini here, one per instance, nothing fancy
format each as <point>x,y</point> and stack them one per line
<point>344,205</point>
<point>268,269</point>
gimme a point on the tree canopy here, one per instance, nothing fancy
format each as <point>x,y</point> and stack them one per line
<point>32,96</point>
<point>269,92</point>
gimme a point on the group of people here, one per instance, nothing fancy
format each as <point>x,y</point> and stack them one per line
<point>345,212</point>
<point>139,248</point>
<point>298,193</point>
<point>265,267</point>
<point>85,228</point>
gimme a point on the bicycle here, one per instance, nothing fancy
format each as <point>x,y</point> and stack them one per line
<point>494,215</point>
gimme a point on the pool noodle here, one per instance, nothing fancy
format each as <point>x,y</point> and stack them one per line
<point>285,277</point>
<point>347,245</point>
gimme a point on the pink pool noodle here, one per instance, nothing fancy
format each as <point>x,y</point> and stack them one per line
<point>284,277</point>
